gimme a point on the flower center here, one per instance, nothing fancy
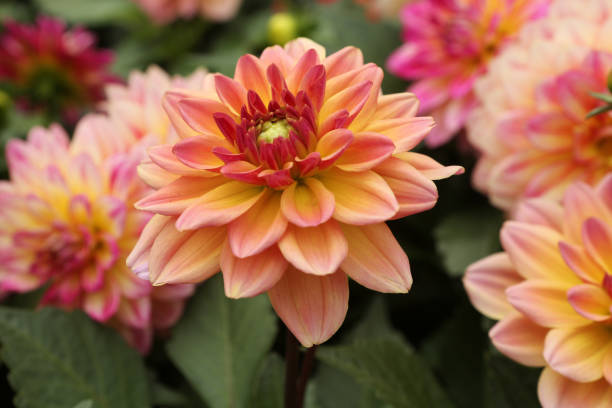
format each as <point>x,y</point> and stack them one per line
<point>271,130</point>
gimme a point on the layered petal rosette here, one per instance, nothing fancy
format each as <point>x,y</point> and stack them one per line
<point>283,178</point>
<point>551,291</point>
<point>54,68</point>
<point>532,128</point>
<point>165,11</point>
<point>448,45</point>
<point>68,223</point>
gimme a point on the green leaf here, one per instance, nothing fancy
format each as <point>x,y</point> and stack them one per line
<point>606,97</point>
<point>600,110</point>
<point>374,324</point>
<point>59,359</point>
<point>87,12</point>
<point>268,387</point>
<point>467,236</point>
<point>390,368</point>
<point>508,384</point>
<point>220,342</point>
<point>166,396</point>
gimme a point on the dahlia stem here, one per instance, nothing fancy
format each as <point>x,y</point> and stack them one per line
<point>295,386</point>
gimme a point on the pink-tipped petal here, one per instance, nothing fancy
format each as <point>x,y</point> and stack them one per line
<point>591,301</point>
<point>307,204</point>
<point>540,211</point>
<point>316,250</point>
<point>597,239</point>
<point>520,339</point>
<point>406,133</point>
<point>577,258</point>
<point>197,152</point>
<point>557,391</point>
<point>252,75</point>
<point>429,167</point>
<point>366,151</point>
<point>312,307</point>
<point>375,259</point>
<point>332,144</point>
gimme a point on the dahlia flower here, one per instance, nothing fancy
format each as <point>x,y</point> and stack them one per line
<point>68,222</point>
<point>448,45</point>
<point>52,67</point>
<point>532,128</point>
<point>551,290</point>
<point>165,11</point>
<point>283,178</point>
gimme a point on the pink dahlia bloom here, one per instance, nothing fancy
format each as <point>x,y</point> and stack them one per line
<point>68,222</point>
<point>552,292</point>
<point>531,127</point>
<point>165,11</point>
<point>448,45</point>
<point>283,178</point>
<point>52,66</point>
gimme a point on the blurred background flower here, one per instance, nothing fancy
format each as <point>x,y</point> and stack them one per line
<point>164,11</point>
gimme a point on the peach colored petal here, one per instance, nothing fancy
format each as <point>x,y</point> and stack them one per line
<point>258,228</point>
<point>154,176</point>
<point>429,167</point>
<point>366,151</point>
<point>361,198</point>
<point>170,103</point>
<point>351,99</point>
<point>307,204</point>
<point>607,366</point>
<point>306,61</point>
<point>163,156</point>
<point>580,202</point>
<point>520,339</point>
<point>197,151</point>
<point>556,391</point>
<point>375,259</point>
<point>534,251</point>
<point>230,92</point>
<point>179,195</point>
<point>248,277</point>
<point>316,250</point>
<point>578,353</point>
<point>414,192</point>
<point>597,239</point>
<point>406,133</point>
<point>545,303</point>
<point>604,191</point>
<point>185,257</point>
<point>398,105</point>
<point>332,144</point>
<point>198,113</point>
<point>486,282</point>
<point>148,235</point>
<point>347,59</point>
<point>581,263</point>
<point>252,75</point>
<point>312,307</point>
<point>590,301</point>
<point>220,205</point>
<point>540,211</point>
<point>301,45</point>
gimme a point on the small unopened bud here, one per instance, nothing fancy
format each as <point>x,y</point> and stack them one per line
<point>282,28</point>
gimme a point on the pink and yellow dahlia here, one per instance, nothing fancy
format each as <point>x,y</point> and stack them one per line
<point>552,292</point>
<point>52,67</point>
<point>283,178</point>
<point>68,223</point>
<point>448,45</point>
<point>531,129</point>
<point>165,11</point>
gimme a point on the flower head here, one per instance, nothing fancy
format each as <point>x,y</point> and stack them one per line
<point>448,45</point>
<point>52,67</point>
<point>68,223</point>
<point>532,128</point>
<point>165,11</point>
<point>283,177</point>
<point>552,292</point>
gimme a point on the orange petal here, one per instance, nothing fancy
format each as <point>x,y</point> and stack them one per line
<point>317,250</point>
<point>231,93</point>
<point>312,307</point>
<point>604,190</point>
<point>347,59</point>
<point>366,151</point>
<point>185,257</point>
<point>429,167</point>
<point>540,211</point>
<point>520,339</point>
<point>581,263</point>
<point>162,156</point>
<point>197,151</point>
<point>591,301</point>
<point>307,204</point>
<point>332,144</point>
<point>597,239</point>
<point>219,206</point>
<point>258,228</point>
<point>486,282</point>
<point>361,198</point>
<point>557,391</point>
<point>578,353</point>
<point>352,99</point>
<point>545,303</point>
<point>580,202</point>
<point>247,277</point>
<point>252,75</point>
<point>140,252</point>
<point>414,192</point>
<point>298,47</point>
<point>153,175</point>
<point>375,259</point>
<point>178,195</point>
<point>308,60</point>
<point>534,250</point>
<point>170,104</point>
<point>398,105</point>
<point>406,133</point>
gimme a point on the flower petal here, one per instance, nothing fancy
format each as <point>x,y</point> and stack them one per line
<point>312,307</point>
<point>332,144</point>
<point>577,258</point>
<point>429,167</point>
<point>230,92</point>
<point>557,391</point>
<point>366,151</point>
<point>520,339</point>
<point>591,301</point>
<point>307,204</point>
<point>540,211</point>
<point>597,239</point>
<point>247,277</point>
<point>375,259</point>
<point>220,205</point>
<point>406,133</point>
<point>317,250</point>
<point>486,282</point>
<point>197,152</point>
<point>361,198</point>
<point>252,75</point>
